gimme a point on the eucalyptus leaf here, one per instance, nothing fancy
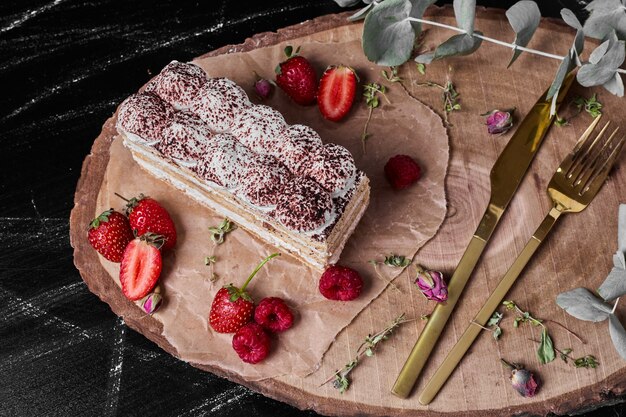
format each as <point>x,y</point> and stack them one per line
<point>583,305</point>
<point>417,11</point>
<point>621,230</point>
<point>618,335</point>
<point>579,40</point>
<point>425,58</point>
<point>457,45</point>
<point>614,286</point>
<point>606,15</point>
<point>615,85</point>
<point>388,36</point>
<point>361,13</point>
<point>524,17</point>
<point>565,67</point>
<point>599,52</point>
<point>545,352</point>
<point>606,67</point>
<point>347,3</point>
<point>465,13</point>
<point>618,260</point>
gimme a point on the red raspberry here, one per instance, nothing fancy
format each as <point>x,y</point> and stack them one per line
<point>402,171</point>
<point>273,314</point>
<point>251,343</point>
<point>340,283</point>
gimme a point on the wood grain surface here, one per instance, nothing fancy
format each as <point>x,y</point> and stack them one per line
<point>578,252</point>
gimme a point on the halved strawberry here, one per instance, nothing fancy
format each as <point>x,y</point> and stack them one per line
<point>336,92</point>
<point>141,266</point>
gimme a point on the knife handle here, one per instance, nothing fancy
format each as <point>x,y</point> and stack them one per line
<point>437,320</point>
<point>458,351</point>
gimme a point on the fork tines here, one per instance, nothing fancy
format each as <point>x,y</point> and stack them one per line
<point>593,157</point>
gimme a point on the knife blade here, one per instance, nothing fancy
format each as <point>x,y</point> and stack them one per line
<point>506,175</point>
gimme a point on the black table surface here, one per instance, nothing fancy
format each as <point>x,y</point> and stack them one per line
<point>65,65</point>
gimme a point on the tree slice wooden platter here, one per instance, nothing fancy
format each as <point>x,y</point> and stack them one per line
<point>578,253</point>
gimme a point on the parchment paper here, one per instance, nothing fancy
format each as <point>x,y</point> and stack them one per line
<point>396,221</point>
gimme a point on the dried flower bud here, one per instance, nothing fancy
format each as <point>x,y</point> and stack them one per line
<point>522,379</point>
<point>263,88</point>
<point>152,302</point>
<point>524,382</point>
<point>499,121</point>
<point>432,284</point>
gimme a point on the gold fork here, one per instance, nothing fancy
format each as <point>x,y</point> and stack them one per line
<point>574,184</point>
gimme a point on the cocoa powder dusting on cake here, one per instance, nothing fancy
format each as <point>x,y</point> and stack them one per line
<point>303,205</point>
<point>145,115</point>
<point>264,180</point>
<point>178,83</point>
<point>258,127</point>
<point>218,101</point>
<point>336,170</point>
<point>186,137</point>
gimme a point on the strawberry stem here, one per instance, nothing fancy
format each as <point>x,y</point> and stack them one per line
<point>122,197</point>
<point>259,266</point>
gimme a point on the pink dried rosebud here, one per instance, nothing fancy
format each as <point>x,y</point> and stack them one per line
<point>499,121</point>
<point>263,88</point>
<point>152,302</point>
<point>522,379</point>
<point>431,284</point>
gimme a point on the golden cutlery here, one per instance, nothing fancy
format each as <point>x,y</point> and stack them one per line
<point>506,175</point>
<point>574,184</point>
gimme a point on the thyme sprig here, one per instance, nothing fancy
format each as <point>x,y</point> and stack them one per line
<point>546,351</point>
<point>340,378</point>
<point>449,96</point>
<point>371,92</point>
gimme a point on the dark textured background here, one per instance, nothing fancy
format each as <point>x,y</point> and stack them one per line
<point>64,67</point>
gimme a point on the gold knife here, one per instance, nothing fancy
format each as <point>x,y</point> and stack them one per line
<point>506,175</point>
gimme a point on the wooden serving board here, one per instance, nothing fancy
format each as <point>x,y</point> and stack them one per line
<point>578,253</point>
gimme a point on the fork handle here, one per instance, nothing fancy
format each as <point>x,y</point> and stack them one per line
<point>458,351</point>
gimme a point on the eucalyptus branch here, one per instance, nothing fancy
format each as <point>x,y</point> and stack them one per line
<point>496,41</point>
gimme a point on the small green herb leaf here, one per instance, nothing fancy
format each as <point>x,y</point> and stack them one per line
<point>218,233</point>
<point>590,105</point>
<point>495,319</point>
<point>421,68</point>
<point>588,361</point>
<point>564,353</point>
<point>545,352</point>
<point>397,261</point>
<point>497,332</point>
<point>208,260</point>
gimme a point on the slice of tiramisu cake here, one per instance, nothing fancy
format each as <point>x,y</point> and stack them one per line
<point>204,136</point>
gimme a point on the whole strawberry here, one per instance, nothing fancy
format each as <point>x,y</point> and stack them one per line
<point>147,215</point>
<point>232,307</point>
<point>402,171</point>
<point>340,283</point>
<point>296,76</point>
<point>141,266</point>
<point>251,343</point>
<point>273,314</point>
<point>109,233</point>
